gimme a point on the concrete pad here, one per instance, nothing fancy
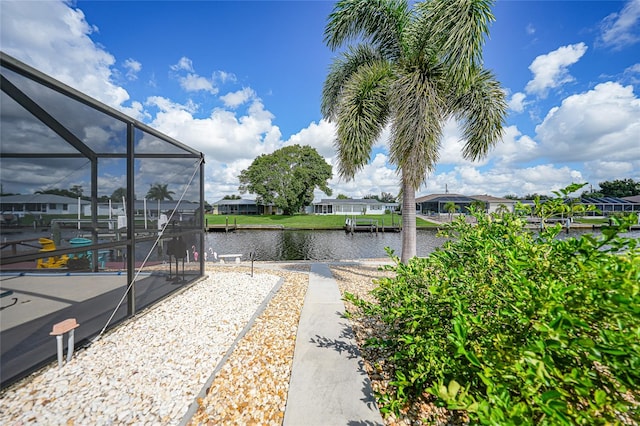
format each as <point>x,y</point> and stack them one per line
<point>329,385</point>
<point>42,294</point>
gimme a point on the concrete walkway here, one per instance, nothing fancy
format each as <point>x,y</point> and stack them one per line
<point>329,385</point>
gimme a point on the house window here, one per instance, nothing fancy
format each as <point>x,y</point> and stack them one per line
<point>52,206</point>
<point>65,207</point>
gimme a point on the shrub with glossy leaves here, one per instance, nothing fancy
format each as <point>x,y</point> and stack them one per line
<point>515,326</point>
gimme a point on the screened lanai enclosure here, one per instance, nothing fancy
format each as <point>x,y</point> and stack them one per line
<point>102,216</point>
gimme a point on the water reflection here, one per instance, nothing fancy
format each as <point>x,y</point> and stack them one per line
<point>328,245</point>
<point>272,245</point>
<point>315,245</point>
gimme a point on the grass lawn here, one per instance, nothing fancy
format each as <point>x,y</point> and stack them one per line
<point>304,221</point>
<point>595,220</point>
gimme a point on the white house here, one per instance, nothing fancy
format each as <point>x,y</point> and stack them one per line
<point>494,204</point>
<point>40,204</point>
<point>352,206</point>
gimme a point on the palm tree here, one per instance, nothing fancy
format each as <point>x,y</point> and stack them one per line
<point>413,69</point>
<point>160,192</point>
<point>502,209</point>
<point>478,205</point>
<point>451,208</point>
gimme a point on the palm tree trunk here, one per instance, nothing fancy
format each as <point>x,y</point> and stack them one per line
<point>408,221</point>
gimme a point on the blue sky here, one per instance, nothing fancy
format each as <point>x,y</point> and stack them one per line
<point>236,79</point>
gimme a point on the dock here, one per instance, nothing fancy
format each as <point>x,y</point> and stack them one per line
<point>220,228</point>
<point>352,225</point>
<point>227,227</point>
<point>234,227</point>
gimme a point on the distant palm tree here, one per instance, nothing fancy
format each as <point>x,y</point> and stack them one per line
<point>502,209</point>
<point>450,208</point>
<point>478,205</point>
<point>413,70</point>
<point>160,192</point>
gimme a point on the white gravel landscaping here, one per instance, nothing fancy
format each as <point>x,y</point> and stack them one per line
<point>148,370</point>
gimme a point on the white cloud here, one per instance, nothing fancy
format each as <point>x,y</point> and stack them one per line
<point>551,70</point>
<point>191,81</point>
<point>230,141</point>
<point>603,123</point>
<point>375,178</point>
<point>530,29</point>
<point>55,39</point>
<point>621,29</point>
<point>633,69</point>
<point>600,124</point>
<point>136,110</point>
<point>224,77</point>
<point>515,148</point>
<point>196,83</point>
<point>133,67</point>
<point>451,145</point>
<point>469,180</point>
<point>235,99</point>
<point>632,74</point>
<point>184,64</point>
<point>598,171</point>
<point>223,136</point>
<point>165,105</point>
<point>319,135</point>
<point>517,103</point>
<point>596,130</point>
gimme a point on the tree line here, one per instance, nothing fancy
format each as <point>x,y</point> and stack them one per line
<point>616,188</point>
<point>156,192</point>
<point>272,176</point>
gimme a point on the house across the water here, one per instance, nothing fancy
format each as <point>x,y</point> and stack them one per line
<point>242,206</point>
<point>437,204</point>
<point>608,206</point>
<point>40,204</point>
<point>351,206</point>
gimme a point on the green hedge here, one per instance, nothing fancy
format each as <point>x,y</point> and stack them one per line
<point>514,327</point>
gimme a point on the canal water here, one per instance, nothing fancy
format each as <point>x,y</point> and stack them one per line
<point>274,245</point>
<point>281,245</point>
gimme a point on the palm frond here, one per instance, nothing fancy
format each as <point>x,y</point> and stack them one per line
<point>418,110</point>
<point>341,70</point>
<point>455,30</point>
<point>481,110</point>
<point>380,22</point>
<point>361,116</point>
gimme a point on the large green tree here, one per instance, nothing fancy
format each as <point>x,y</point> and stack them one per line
<point>620,188</point>
<point>287,177</point>
<point>411,69</point>
<point>159,191</point>
<point>119,194</point>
